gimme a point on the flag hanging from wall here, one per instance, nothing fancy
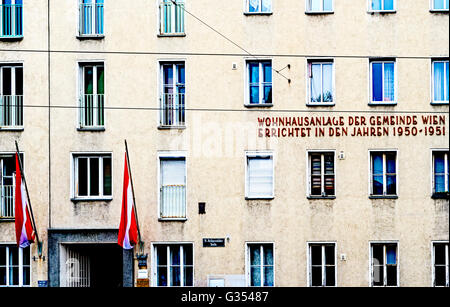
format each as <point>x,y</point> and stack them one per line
<point>128,233</point>
<point>24,230</point>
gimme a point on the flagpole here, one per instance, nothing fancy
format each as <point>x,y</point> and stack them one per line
<point>30,209</point>
<point>134,200</point>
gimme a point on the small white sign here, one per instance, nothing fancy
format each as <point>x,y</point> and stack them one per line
<point>142,274</point>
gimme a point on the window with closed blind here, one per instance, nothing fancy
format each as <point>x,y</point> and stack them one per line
<point>321,174</point>
<point>259,175</point>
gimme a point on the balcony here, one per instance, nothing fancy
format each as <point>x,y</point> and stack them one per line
<point>7,201</point>
<point>173,202</point>
<point>92,113</point>
<point>172,110</point>
<point>91,20</point>
<point>11,111</point>
<point>11,21</point>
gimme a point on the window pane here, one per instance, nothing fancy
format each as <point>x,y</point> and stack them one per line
<point>389,84</point>
<point>175,255</point>
<point>440,276</point>
<point>107,178</point>
<point>267,94</point>
<point>389,5</point>
<point>316,83</point>
<point>161,252</point>
<point>100,80</point>
<point>316,276</point>
<point>13,255</point>
<point>390,163</point>
<point>315,5</point>
<point>255,277</point>
<point>266,5</point>
<point>267,67</point>
<point>253,6</point>
<point>329,255</point>
<point>377,163</point>
<point>376,5</point>
<point>82,177</point>
<point>439,184</point>
<point>391,185</point>
<point>391,254</point>
<point>19,80</point>
<point>6,82</point>
<point>26,256</point>
<point>2,276</point>
<point>330,277</point>
<point>391,276</point>
<point>26,276</point>
<point>328,83</point>
<point>316,255</point>
<point>253,72</point>
<point>173,172</point>
<point>446,76</point>
<point>175,275</point>
<point>439,163</point>
<point>2,255</point>
<point>255,255</point>
<point>377,254</point>
<point>377,185</point>
<point>94,176</point>
<point>439,254</point>
<point>168,74</point>
<point>254,94</point>
<point>188,276</point>
<point>438,4</point>
<point>268,254</point>
<point>260,173</point>
<point>14,276</point>
<point>328,5</point>
<point>268,276</point>
<point>162,276</point>
<point>187,254</point>
<point>377,82</point>
<point>181,74</point>
<point>439,85</point>
<point>378,276</point>
<point>88,80</point>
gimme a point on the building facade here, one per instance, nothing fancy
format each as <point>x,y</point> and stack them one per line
<point>271,143</point>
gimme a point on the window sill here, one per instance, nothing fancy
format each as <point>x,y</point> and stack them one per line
<point>260,198</point>
<point>320,104</point>
<point>442,195</point>
<point>91,200</point>
<point>439,11</point>
<point>382,12</point>
<point>171,127</point>
<point>319,12</point>
<point>383,197</point>
<point>258,13</point>
<point>259,105</point>
<point>11,38</point>
<point>435,103</point>
<point>311,197</point>
<point>172,35</point>
<point>6,219</point>
<point>91,129</point>
<point>92,36</point>
<point>12,129</point>
<point>375,104</point>
<point>181,219</point>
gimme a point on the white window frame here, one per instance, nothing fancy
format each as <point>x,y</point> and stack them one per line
<point>167,155</point>
<point>378,103</point>
<point>321,11</point>
<point>20,265</point>
<point>322,171</point>
<point>261,155</point>
<point>248,264</point>
<point>154,267</point>
<point>369,7</point>
<point>384,152</point>
<point>261,83</point>
<point>93,21</point>
<point>74,175</point>
<point>432,9</point>
<point>309,262</point>
<point>13,67</point>
<point>433,275</point>
<point>446,170</point>
<point>309,63</point>
<point>444,102</point>
<point>260,12</point>
<point>160,20</point>
<point>384,243</point>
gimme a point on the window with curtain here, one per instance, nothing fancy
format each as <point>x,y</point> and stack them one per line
<point>92,176</point>
<point>260,265</point>
<point>173,188</point>
<point>384,266</point>
<point>440,5</point>
<point>440,81</point>
<point>383,82</point>
<point>382,5</point>
<point>259,6</point>
<point>11,19</point>
<point>15,267</point>
<point>91,17</point>
<point>319,6</point>
<point>171,17</point>
<point>320,82</point>
<point>259,76</point>
<point>440,264</point>
<point>441,177</point>
<point>384,173</point>
<point>174,265</point>
<point>260,181</point>
<point>322,265</point>
<point>321,170</point>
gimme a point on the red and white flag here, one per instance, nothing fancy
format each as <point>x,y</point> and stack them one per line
<point>128,233</point>
<point>24,229</point>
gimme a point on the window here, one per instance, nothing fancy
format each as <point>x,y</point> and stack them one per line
<point>321,82</point>
<point>172,95</point>
<point>382,5</point>
<point>440,79</point>
<point>92,95</point>
<point>441,177</point>
<point>383,173</point>
<point>172,187</point>
<point>11,19</point>
<point>174,265</point>
<point>11,96</point>
<point>259,76</point>
<point>14,266</point>
<point>439,5</point>
<point>440,264</point>
<point>321,174</point>
<point>171,17</point>
<point>322,265</point>
<point>7,185</point>
<point>259,6</point>
<point>91,18</point>
<point>383,82</point>
<point>260,265</point>
<point>319,6</point>
<point>259,173</point>
<point>92,176</point>
<point>384,265</point>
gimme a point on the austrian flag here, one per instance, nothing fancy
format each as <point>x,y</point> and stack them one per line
<point>24,230</point>
<point>128,232</point>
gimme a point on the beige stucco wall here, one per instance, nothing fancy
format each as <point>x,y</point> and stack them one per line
<point>215,142</point>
